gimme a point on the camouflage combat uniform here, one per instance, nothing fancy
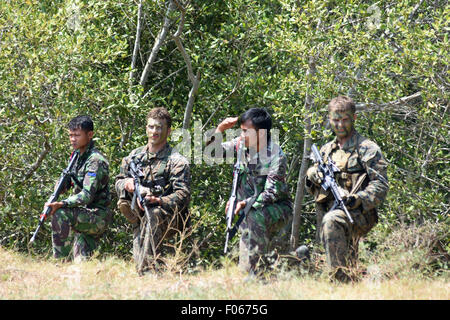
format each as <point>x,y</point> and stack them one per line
<point>362,164</point>
<point>85,214</point>
<point>171,171</point>
<point>268,222</point>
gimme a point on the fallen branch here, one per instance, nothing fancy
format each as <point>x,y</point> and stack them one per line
<point>394,105</point>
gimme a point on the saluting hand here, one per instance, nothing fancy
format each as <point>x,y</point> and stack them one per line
<point>227,124</point>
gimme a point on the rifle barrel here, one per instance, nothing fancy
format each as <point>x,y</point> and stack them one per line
<point>54,197</point>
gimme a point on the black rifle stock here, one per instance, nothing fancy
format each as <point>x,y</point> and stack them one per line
<point>328,181</point>
<point>54,197</point>
<point>232,202</point>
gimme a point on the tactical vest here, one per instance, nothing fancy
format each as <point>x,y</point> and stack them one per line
<point>160,177</point>
<point>352,176</point>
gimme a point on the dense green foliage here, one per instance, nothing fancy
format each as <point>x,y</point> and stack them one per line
<point>63,58</point>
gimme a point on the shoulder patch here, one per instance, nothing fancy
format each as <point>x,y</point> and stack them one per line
<point>91,174</point>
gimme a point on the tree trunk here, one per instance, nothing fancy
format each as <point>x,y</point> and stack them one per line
<point>158,43</point>
<point>300,192</point>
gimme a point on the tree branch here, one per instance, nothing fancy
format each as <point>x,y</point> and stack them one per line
<point>136,43</point>
<point>157,45</point>
<point>195,79</point>
<point>156,85</point>
<point>38,162</point>
<point>413,12</point>
<point>235,88</point>
<point>126,134</point>
<point>395,105</point>
<point>190,103</point>
<point>421,175</point>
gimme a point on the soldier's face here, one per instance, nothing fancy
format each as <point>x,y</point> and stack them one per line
<point>79,139</point>
<point>251,135</point>
<point>342,123</point>
<point>157,131</point>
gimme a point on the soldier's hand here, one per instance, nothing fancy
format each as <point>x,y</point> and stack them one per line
<point>227,124</point>
<point>152,199</point>
<point>129,185</point>
<point>226,207</point>
<point>54,206</point>
<point>239,206</point>
<point>149,199</point>
<point>352,202</point>
<point>314,175</point>
<point>145,191</point>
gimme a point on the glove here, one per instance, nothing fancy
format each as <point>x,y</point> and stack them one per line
<point>352,202</point>
<point>314,175</point>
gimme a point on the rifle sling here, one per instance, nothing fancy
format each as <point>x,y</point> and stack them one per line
<point>74,178</point>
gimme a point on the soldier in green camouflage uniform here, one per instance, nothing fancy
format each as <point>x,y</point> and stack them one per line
<point>363,185</point>
<point>80,220</point>
<point>160,164</point>
<point>262,189</point>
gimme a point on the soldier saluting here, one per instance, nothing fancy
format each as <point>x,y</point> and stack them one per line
<point>363,185</point>
<point>262,191</point>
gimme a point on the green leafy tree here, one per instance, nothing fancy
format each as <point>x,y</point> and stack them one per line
<point>204,61</point>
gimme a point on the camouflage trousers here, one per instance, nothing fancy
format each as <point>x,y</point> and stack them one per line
<point>262,231</point>
<point>341,238</point>
<point>77,229</point>
<point>163,225</point>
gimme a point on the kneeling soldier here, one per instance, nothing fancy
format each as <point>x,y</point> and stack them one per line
<point>164,169</point>
<point>363,186</point>
<point>80,220</point>
<point>262,191</point>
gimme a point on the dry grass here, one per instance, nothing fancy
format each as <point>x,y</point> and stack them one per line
<point>26,277</point>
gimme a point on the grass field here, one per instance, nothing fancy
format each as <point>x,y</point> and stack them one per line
<point>25,277</point>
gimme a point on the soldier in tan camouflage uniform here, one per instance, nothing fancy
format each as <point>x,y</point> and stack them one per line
<point>363,184</point>
<point>167,168</point>
<point>80,220</point>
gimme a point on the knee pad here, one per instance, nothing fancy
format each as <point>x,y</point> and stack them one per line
<point>125,208</point>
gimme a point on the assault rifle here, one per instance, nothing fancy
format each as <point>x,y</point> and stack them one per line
<point>66,174</point>
<point>138,176</point>
<point>232,202</point>
<point>328,181</point>
<point>156,190</point>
